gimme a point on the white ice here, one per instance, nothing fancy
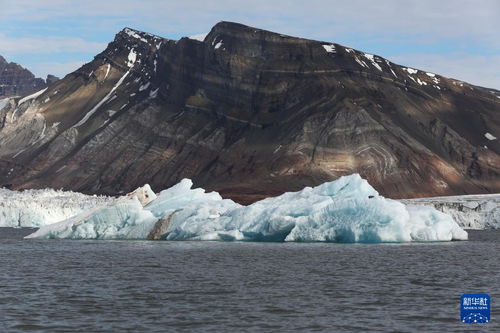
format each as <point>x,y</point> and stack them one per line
<point>330,48</point>
<point>345,210</point>
<point>134,34</point>
<point>131,58</point>
<point>480,211</point>
<point>30,97</point>
<point>490,136</point>
<point>371,57</point>
<point>107,71</point>
<point>101,103</point>
<point>34,208</point>
<point>410,70</point>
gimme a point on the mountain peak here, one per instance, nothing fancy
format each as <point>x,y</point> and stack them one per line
<point>137,35</point>
<point>16,80</point>
<point>251,113</point>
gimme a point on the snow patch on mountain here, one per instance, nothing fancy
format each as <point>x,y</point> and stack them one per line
<point>131,59</point>
<point>371,57</point>
<point>410,70</point>
<point>101,103</point>
<point>330,48</point>
<point>134,34</point>
<point>32,96</point>
<point>490,136</point>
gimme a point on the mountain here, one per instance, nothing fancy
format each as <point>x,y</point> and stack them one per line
<point>250,113</point>
<point>18,81</point>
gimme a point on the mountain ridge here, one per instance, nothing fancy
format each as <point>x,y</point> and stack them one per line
<point>251,113</point>
<point>15,80</point>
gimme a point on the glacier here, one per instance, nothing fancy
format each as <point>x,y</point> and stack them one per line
<point>35,208</point>
<point>346,210</point>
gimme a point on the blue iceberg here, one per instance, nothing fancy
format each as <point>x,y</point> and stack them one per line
<point>346,210</point>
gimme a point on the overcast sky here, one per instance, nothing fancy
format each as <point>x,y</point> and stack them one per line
<point>455,38</point>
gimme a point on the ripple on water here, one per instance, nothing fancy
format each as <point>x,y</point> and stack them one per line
<point>88,286</point>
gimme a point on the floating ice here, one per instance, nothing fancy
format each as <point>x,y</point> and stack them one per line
<point>345,210</point>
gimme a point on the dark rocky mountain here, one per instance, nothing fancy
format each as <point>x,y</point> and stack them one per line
<point>17,81</point>
<point>251,113</point>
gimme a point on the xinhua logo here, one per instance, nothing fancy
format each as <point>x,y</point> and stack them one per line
<point>475,308</point>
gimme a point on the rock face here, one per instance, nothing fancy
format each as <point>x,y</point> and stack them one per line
<point>17,81</point>
<point>251,113</point>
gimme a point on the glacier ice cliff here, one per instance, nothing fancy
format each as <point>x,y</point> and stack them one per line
<point>35,208</point>
<point>345,210</point>
<point>480,211</point>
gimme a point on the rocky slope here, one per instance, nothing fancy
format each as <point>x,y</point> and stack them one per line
<point>18,81</point>
<point>251,113</point>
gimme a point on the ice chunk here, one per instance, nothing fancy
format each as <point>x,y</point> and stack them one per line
<point>345,210</point>
<point>144,194</point>
<point>124,220</point>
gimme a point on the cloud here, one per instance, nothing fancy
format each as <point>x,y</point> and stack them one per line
<point>47,44</point>
<point>452,37</point>
<point>59,69</point>
<point>476,69</point>
<point>427,19</point>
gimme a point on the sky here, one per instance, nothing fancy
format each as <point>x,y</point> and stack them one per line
<point>454,38</point>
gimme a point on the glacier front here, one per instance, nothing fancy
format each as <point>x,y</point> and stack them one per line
<point>346,210</point>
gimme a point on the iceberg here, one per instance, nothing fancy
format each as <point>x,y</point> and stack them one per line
<point>345,210</point>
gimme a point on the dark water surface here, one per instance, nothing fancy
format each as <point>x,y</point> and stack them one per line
<point>145,286</point>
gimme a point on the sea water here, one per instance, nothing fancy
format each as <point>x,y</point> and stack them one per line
<point>162,286</point>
